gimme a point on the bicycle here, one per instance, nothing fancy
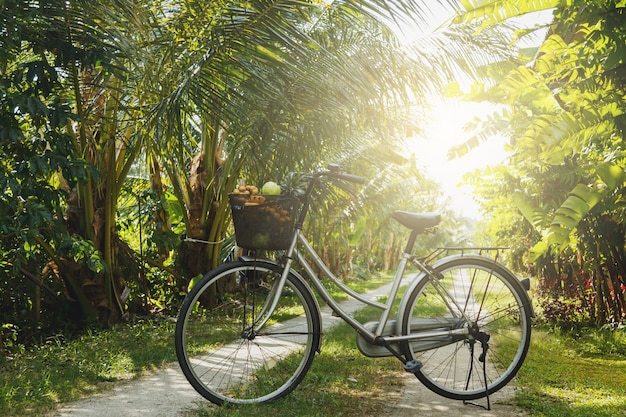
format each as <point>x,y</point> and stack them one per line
<point>248,331</point>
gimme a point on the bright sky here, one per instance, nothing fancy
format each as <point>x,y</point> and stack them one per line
<point>445,129</point>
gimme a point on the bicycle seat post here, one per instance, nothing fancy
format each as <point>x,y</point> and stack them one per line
<point>411,242</point>
<point>418,223</point>
<point>393,292</point>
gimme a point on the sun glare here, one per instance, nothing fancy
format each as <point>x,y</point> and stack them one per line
<point>445,124</point>
<point>445,128</point>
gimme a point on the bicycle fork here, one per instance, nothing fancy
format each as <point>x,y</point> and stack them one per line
<point>271,302</point>
<point>276,290</point>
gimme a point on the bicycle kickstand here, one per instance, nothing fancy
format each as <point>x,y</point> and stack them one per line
<point>484,342</point>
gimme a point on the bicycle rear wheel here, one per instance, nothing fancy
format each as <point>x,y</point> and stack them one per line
<point>222,352</point>
<point>484,359</point>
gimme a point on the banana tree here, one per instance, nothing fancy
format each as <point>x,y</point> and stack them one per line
<point>565,119</point>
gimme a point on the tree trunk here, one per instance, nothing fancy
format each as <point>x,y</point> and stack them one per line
<point>205,212</point>
<point>160,216</point>
<point>91,207</point>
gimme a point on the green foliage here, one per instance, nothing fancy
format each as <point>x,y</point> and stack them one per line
<point>35,148</point>
<point>566,170</point>
<point>82,252</point>
<point>498,11</point>
<point>566,218</point>
<point>192,96</point>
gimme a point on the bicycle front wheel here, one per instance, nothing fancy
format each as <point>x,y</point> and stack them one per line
<point>487,315</point>
<point>232,348</point>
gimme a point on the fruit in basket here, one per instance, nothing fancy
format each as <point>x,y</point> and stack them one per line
<point>257,199</point>
<point>262,223</point>
<point>270,188</point>
<point>242,188</point>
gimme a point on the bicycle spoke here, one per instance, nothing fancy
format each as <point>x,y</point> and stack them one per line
<point>497,322</point>
<point>223,354</point>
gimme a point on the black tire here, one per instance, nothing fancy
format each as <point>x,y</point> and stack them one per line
<point>226,360</point>
<point>499,310</point>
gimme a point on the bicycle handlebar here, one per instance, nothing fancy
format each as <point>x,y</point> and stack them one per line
<point>334,171</point>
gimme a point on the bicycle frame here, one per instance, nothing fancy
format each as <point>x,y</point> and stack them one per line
<point>429,332</point>
<point>452,308</point>
<point>377,336</point>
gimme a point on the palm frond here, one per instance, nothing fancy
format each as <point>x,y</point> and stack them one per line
<point>496,11</point>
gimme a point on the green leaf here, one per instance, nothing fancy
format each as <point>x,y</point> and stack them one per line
<point>580,201</point>
<point>359,229</point>
<point>612,175</point>
<point>497,11</point>
<point>537,251</point>
<point>574,208</point>
<point>613,60</point>
<point>193,282</point>
<point>534,215</point>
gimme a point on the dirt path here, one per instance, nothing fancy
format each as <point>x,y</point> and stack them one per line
<point>166,393</point>
<point>417,400</point>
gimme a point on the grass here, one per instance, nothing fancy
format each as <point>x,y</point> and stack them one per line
<point>357,285</point>
<point>573,374</point>
<point>35,380</point>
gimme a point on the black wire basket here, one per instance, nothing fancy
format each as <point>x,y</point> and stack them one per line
<point>263,222</point>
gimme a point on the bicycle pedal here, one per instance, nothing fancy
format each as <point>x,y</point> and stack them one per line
<point>413,366</point>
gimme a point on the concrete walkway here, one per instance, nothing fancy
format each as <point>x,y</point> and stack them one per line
<point>166,392</point>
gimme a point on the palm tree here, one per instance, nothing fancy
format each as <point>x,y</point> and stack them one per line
<point>298,85</point>
<point>211,92</point>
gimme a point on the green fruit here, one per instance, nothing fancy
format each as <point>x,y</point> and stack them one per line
<point>270,188</point>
